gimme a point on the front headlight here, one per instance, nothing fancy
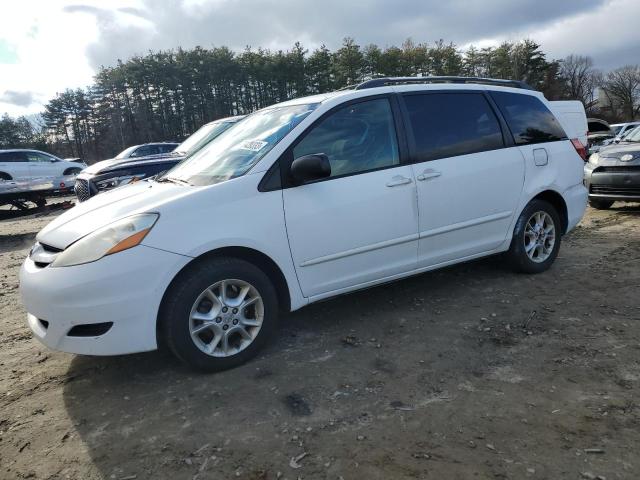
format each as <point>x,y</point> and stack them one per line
<point>115,237</point>
<point>119,181</point>
<point>593,159</point>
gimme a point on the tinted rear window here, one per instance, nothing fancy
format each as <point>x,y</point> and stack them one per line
<point>13,157</point>
<point>450,124</point>
<point>529,119</point>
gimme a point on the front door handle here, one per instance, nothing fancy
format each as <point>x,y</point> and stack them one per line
<point>429,173</point>
<point>398,180</point>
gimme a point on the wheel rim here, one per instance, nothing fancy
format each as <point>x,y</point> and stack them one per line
<point>226,318</point>
<point>539,237</point>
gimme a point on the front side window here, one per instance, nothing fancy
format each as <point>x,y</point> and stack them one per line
<point>238,149</point>
<point>356,138</point>
<point>450,124</point>
<point>145,150</point>
<point>529,119</point>
<point>35,157</point>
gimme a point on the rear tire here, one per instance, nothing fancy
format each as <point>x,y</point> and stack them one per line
<point>599,204</point>
<point>204,321</point>
<point>4,177</point>
<point>536,238</point>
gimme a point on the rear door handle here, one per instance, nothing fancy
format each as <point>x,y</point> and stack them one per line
<point>398,180</point>
<point>428,173</point>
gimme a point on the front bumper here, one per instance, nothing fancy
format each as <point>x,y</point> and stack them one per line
<point>124,289</point>
<point>613,182</point>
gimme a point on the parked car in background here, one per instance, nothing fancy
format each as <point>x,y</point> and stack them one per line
<point>109,174</point>
<point>146,150</point>
<point>599,131</point>
<point>25,164</point>
<point>572,117</point>
<point>303,201</point>
<point>621,128</point>
<point>613,174</point>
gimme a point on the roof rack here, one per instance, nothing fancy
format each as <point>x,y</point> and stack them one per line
<point>385,81</point>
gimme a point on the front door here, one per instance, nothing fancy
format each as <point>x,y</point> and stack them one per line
<point>360,225</point>
<point>42,166</point>
<point>469,177</point>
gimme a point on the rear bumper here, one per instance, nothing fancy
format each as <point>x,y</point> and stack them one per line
<point>576,200</point>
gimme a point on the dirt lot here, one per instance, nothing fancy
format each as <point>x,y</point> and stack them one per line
<point>469,372</point>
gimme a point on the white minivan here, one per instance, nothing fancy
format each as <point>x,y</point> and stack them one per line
<point>303,201</point>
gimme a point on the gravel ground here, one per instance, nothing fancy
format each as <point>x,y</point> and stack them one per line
<point>467,372</point>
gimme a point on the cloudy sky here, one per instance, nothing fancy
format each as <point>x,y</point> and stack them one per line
<point>49,45</point>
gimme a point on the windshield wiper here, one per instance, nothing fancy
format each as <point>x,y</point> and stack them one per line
<point>178,181</point>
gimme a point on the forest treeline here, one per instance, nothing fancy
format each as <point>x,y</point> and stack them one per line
<point>167,95</point>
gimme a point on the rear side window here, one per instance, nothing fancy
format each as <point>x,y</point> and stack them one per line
<point>13,157</point>
<point>450,124</point>
<point>529,119</point>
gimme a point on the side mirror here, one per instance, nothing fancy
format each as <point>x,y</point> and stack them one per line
<point>310,167</point>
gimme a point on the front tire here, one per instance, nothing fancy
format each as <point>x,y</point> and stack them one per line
<point>599,204</point>
<point>536,238</point>
<point>218,313</point>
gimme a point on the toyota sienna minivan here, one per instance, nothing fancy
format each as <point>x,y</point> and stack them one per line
<point>302,201</point>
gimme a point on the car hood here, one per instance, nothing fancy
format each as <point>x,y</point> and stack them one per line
<point>106,166</point>
<point>107,208</point>
<point>620,149</point>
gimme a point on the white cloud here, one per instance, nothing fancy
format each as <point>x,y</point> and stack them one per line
<point>61,43</point>
<point>50,45</point>
<point>609,34</point>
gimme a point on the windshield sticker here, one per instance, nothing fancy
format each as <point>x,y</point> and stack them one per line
<point>253,145</point>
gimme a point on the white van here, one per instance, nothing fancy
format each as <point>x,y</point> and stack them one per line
<point>303,201</point>
<point>572,117</point>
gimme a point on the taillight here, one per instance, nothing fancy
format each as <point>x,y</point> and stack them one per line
<point>581,149</point>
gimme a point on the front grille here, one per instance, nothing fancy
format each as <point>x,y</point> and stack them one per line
<point>90,329</point>
<point>622,190</point>
<point>624,169</point>
<point>82,189</point>
<point>43,255</point>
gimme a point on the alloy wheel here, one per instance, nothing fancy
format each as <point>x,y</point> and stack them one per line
<point>226,318</point>
<point>539,237</point>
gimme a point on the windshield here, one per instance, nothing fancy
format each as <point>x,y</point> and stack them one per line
<point>233,153</point>
<point>201,137</point>
<point>617,128</point>
<point>632,136</point>
<point>127,152</point>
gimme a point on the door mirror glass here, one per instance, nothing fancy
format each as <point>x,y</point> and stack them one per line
<point>310,167</point>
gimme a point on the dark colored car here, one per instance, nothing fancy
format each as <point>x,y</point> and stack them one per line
<point>599,131</point>
<point>613,174</point>
<point>147,149</point>
<point>119,171</point>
